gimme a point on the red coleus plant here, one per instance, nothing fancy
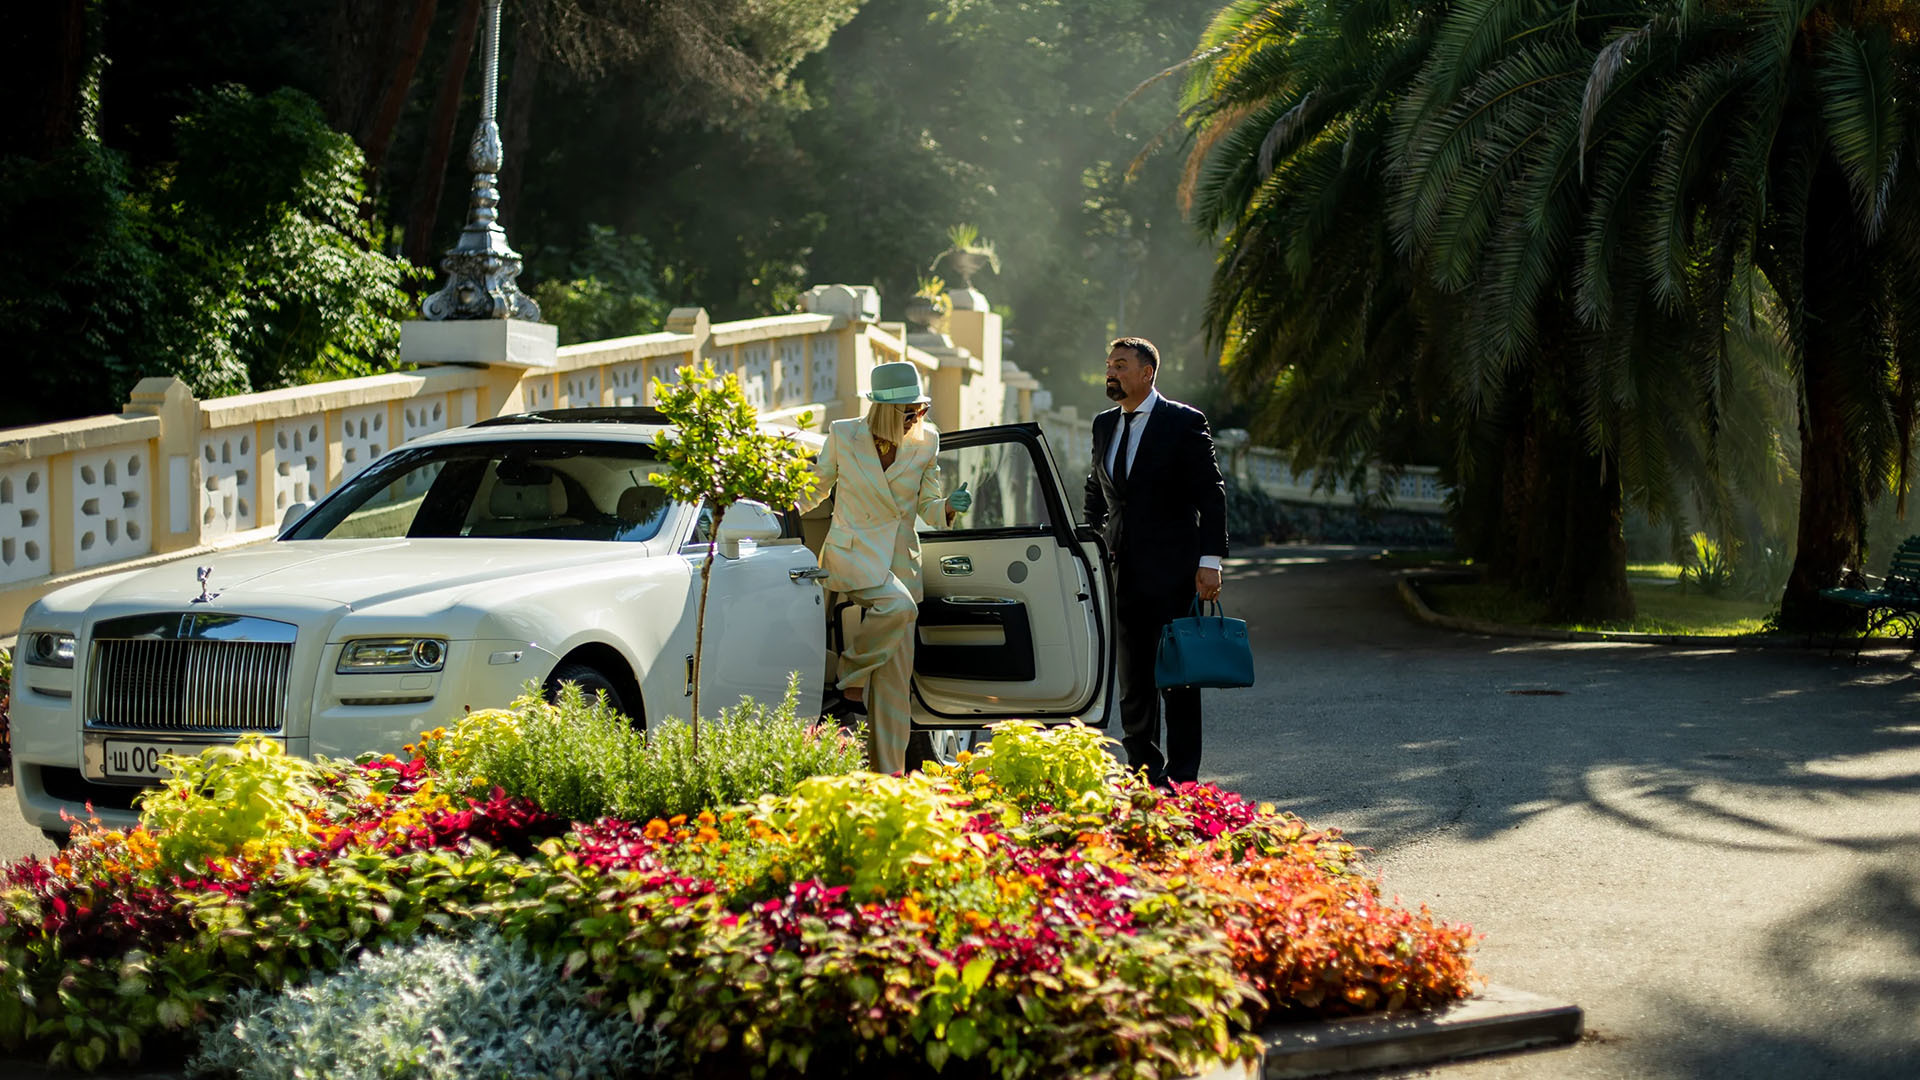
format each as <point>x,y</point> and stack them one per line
<point>1315,943</point>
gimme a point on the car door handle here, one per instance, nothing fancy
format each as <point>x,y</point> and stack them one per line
<point>803,574</point>
<point>956,565</point>
<point>979,601</point>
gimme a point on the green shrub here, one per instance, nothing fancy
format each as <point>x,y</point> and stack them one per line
<point>225,797</point>
<point>581,760</point>
<point>866,831</point>
<point>1709,566</point>
<point>608,290</point>
<point>435,1009</point>
<point>1066,767</point>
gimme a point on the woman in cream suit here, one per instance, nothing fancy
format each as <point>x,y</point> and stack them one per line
<point>883,473</point>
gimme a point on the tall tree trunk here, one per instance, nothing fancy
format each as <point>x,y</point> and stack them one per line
<point>431,178</point>
<point>1591,583</point>
<point>1830,526</point>
<point>50,74</point>
<point>393,100</point>
<point>516,112</point>
<point>1494,488</point>
<point>360,48</point>
<point>1833,496</point>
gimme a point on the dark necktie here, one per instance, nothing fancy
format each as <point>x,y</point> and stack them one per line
<point>1120,455</point>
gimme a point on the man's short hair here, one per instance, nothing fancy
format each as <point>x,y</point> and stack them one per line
<point>1141,347</point>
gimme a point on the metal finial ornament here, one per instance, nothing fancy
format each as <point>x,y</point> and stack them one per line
<point>481,267</point>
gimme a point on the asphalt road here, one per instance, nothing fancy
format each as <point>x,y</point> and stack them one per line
<point>1715,852</point>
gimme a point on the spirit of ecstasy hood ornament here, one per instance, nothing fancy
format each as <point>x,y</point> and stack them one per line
<point>205,596</point>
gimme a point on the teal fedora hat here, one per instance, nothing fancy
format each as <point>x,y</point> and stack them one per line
<point>897,383</point>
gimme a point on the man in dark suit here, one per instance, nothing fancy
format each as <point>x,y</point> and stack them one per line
<point>1155,491</point>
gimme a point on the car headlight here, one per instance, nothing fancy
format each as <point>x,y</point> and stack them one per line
<point>45,649</point>
<point>370,655</point>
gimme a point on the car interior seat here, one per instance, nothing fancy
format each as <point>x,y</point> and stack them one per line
<point>522,504</point>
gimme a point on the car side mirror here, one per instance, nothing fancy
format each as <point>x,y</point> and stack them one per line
<point>747,520</point>
<point>292,516</point>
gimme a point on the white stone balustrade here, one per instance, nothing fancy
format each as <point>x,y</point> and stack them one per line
<point>173,477</point>
<point>26,526</point>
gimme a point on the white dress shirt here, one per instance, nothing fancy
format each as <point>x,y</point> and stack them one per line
<point>1141,416</point>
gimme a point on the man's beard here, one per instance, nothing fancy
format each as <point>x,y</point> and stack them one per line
<point>1114,393</point>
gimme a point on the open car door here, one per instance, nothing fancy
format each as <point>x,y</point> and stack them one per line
<point>1017,622</point>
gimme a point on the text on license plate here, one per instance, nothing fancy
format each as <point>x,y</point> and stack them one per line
<point>139,760</point>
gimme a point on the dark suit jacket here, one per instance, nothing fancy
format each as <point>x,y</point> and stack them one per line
<point>1174,508</point>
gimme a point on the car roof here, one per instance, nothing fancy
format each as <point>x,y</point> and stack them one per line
<point>638,423</point>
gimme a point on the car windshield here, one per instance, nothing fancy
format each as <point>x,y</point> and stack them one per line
<point>543,489</point>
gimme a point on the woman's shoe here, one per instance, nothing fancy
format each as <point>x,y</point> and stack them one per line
<point>839,707</point>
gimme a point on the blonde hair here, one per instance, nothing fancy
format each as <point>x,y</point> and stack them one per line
<point>889,422</point>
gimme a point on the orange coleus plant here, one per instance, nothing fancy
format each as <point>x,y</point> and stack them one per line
<point>1325,942</point>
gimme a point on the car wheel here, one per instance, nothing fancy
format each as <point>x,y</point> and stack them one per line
<point>940,745</point>
<point>591,683</point>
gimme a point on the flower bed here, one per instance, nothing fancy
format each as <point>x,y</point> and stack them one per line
<point>1031,912</point>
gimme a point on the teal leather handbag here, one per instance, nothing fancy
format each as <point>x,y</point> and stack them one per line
<point>1204,650</point>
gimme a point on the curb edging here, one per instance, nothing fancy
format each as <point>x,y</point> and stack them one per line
<point>1497,1020</point>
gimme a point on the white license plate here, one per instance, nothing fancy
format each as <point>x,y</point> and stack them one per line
<point>124,760</point>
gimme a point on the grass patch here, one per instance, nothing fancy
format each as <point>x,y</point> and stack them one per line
<point>1663,609</point>
<point>1667,570</point>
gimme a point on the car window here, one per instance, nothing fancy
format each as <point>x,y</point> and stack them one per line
<point>1006,488</point>
<point>536,489</point>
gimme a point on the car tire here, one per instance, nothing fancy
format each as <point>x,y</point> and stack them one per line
<point>591,681</point>
<point>942,746</point>
<point>59,837</point>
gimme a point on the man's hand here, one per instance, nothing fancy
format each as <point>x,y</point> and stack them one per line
<point>961,500</point>
<point>1206,582</point>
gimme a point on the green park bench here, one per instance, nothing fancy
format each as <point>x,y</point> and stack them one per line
<point>1896,603</point>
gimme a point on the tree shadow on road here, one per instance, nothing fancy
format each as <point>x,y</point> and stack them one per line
<point>1838,1009</point>
<point>1735,749</point>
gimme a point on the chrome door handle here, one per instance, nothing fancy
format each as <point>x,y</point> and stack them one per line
<point>979,601</point>
<point>956,565</point>
<point>803,574</point>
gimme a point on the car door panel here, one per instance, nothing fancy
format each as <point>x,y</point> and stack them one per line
<point>986,638</point>
<point>764,622</point>
<point>1016,616</point>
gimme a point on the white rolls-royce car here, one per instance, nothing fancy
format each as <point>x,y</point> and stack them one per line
<point>534,548</point>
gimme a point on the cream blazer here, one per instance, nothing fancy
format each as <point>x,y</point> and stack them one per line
<point>872,534</point>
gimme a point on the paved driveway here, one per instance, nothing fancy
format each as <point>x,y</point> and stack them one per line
<point>1716,852</point>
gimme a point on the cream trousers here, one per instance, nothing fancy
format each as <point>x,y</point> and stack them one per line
<point>879,656</point>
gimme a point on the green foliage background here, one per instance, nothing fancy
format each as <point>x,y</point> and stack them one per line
<point>222,202</point>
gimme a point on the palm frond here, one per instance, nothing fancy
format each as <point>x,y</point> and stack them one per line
<point>1866,125</point>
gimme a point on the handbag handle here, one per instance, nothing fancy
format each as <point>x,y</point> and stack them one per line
<point>1198,608</point>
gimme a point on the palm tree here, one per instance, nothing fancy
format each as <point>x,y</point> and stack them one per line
<point>1316,315</point>
<point>1769,145</point>
<point>1528,203</point>
<point>1395,193</point>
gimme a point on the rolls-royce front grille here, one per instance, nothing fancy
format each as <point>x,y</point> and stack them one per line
<point>183,678</point>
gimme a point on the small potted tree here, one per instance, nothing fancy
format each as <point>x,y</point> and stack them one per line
<point>716,455</point>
